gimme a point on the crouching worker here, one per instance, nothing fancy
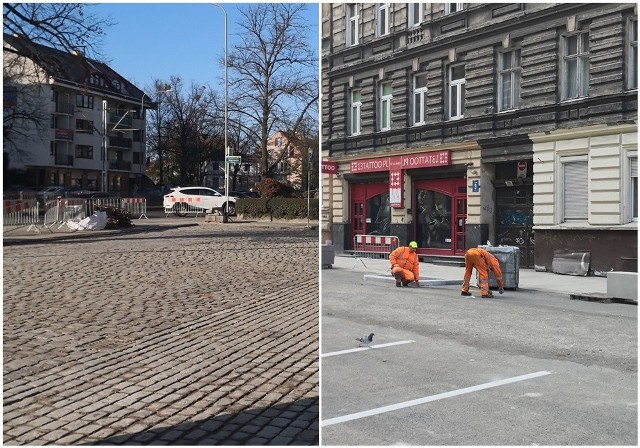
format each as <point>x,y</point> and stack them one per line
<point>405,265</point>
<point>482,261</point>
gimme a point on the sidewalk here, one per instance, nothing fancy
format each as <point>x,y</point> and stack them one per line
<point>23,235</point>
<point>378,270</point>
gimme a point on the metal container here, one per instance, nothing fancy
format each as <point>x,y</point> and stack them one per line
<point>328,255</point>
<point>509,258</point>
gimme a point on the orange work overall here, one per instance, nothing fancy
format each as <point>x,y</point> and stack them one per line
<point>482,261</point>
<point>408,264</point>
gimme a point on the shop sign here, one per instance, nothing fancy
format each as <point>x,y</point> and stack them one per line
<point>423,160</point>
<point>329,167</point>
<point>396,185</point>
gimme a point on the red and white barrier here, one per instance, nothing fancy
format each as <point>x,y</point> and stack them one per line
<point>20,212</point>
<point>374,246</point>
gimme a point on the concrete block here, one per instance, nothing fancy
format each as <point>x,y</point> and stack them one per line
<point>622,285</point>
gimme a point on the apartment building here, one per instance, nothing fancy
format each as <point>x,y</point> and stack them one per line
<point>93,122</point>
<point>456,123</point>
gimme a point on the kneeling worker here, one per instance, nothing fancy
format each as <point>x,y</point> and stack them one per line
<point>405,265</point>
<point>481,260</point>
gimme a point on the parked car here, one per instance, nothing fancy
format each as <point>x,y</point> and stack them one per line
<point>49,193</point>
<point>184,199</point>
<point>18,192</point>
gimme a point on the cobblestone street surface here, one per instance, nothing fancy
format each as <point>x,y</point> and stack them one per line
<point>186,336</point>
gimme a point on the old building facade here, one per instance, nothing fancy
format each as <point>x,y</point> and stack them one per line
<point>452,124</point>
<point>93,123</point>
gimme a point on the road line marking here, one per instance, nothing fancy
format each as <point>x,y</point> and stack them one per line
<point>359,349</point>
<point>453,393</point>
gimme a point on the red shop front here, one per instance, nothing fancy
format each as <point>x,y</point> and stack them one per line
<point>439,205</point>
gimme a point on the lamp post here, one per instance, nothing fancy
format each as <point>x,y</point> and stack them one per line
<point>143,153</point>
<point>225,217</point>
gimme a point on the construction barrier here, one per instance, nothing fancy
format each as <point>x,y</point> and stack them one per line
<point>20,212</point>
<point>183,206</point>
<point>135,206</point>
<point>374,246</point>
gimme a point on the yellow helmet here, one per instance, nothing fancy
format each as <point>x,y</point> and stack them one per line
<point>413,244</point>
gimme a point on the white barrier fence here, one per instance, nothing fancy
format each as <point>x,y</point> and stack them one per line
<point>20,212</point>
<point>59,211</point>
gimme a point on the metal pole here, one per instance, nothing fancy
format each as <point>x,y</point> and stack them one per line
<point>225,217</point>
<point>104,145</point>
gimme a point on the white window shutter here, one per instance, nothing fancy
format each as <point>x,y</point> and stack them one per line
<point>576,191</point>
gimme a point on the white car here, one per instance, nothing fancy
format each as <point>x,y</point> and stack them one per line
<point>184,200</point>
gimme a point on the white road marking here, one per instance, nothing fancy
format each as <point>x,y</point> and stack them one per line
<point>359,349</point>
<point>442,396</point>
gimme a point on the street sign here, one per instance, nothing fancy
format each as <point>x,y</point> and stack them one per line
<point>522,169</point>
<point>232,160</point>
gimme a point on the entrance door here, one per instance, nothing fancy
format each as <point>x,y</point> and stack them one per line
<point>370,209</point>
<point>514,220</point>
<point>440,216</point>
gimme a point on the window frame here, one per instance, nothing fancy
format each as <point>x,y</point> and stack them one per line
<point>581,57</point>
<point>514,72</point>
<point>84,101</point>
<point>383,10</point>
<point>419,93</point>
<point>412,22</point>
<point>630,187</point>
<point>564,193</point>
<point>388,99</point>
<point>353,24</point>
<point>631,81</point>
<point>355,106</point>
<point>448,10</point>
<point>458,83</point>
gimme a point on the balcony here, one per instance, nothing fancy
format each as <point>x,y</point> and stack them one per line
<point>120,165</point>
<point>64,159</point>
<point>119,142</point>
<point>115,117</point>
<point>415,35</point>
<point>64,108</point>
<point>61,134</point>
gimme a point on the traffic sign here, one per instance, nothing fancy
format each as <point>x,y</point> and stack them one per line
<point>232,160</point>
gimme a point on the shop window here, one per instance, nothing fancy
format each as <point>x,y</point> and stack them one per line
<point>575,188</point>
<point>433,228</point>
<point>379,215</point>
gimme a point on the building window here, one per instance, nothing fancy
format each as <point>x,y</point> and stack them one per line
<point>632,54</point>
<point>416,12</point>
<point>386,95</point>
<point>353,24</point>
<point>84,152</point>
<point>85,101</point>
<point>356,112</point>
<point>575,65</point>
<point>419,99</point>
<point>84,126</point>
<point>509,80</point>
<point>383,19</point>
<point>278,142</point>
<point>456,92</point>
<point>575,193</point>
<point>450,8</point>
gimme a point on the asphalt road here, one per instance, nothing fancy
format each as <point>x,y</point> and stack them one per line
<point>193,335</point>
<point>525,368</point>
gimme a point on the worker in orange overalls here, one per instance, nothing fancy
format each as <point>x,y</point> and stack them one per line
<point>405,265</point>
<point>481,260</point>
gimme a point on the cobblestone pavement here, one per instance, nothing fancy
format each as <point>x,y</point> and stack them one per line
<point>186,336</point>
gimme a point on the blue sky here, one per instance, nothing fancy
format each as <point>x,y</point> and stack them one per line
<point>158,40</point>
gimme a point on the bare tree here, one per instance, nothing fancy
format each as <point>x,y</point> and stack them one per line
<point>192,131</point>
<point>273,73</point>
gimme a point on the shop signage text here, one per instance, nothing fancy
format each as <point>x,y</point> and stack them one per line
<point>329,167</point>
<point>423,160</point>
